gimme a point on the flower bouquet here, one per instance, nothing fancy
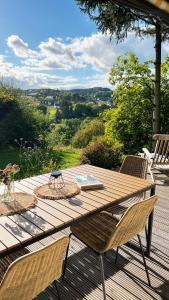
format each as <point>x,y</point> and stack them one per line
<point>7,179</point>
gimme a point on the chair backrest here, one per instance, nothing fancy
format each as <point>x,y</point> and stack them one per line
<point>161,152</point>
<point>132,222</point>
<point>134,166</point>
<point>32,273</point>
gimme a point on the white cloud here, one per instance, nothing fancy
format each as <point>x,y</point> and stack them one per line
<point>54,47</point>
<point>1,59</point>
<point>58,54</point>
<point>27,77</point>
<point>39,67</point>
<point>95,51</point>
<point>19,47</point>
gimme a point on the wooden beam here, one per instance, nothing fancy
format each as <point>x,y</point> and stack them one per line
<point>147,8</point>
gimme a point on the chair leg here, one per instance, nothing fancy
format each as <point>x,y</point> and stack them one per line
<point>117,252</point>
<point>102,275</point>
<point>66,257</point>
<point>144,260</point>
<point>146,233</point>
<point>57,290</point>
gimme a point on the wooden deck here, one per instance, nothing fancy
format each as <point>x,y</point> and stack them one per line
<point>126,280</point>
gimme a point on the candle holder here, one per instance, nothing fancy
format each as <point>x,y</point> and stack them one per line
<point>56,180</point>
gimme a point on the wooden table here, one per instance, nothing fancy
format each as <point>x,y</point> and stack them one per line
<point>50,216</point>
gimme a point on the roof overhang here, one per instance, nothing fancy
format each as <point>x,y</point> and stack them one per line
<point>157,8</point>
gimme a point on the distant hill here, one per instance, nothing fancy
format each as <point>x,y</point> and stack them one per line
<point>91,90</point>
<point>95,93</point>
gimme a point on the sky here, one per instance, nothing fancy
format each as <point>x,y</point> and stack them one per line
<point>52,44</point>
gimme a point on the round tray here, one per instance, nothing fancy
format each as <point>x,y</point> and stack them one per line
<point>21,203</point>
<point>69,190</point>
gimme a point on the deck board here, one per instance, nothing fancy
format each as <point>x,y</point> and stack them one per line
<point>124,281</point>
<point>127,280</point>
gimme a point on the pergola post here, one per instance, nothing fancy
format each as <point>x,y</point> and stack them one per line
<point>156,112</point>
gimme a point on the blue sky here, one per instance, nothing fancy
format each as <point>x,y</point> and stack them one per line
<point>53,44</point>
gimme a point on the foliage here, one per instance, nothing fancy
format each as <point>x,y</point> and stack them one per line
<point>43,108</point>
<point>7,101</point>
<point>62,133</point>
<point>88,131</point>
<point>119,20</point>
<point>78,110</point>
<point>51,113</point>
<point>19,117</point>
<point>58,158</point>
<point>66,109</point>
<point>165,96</point>
<point>9,155</point>
<point>102,156</point>
<point>130,122</point>
<point>82,110</point>
<point>37,158</point>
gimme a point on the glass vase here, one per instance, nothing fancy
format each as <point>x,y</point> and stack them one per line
<point>8,190</point>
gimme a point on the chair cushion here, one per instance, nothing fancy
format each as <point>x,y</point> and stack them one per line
<point>95,231</point>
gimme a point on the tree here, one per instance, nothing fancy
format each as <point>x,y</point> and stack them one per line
<point>66,109</point>
<point>19,118</point>
<point>129,122</point>
<point>82,110</point>
<point>43,108</point>
<point>88,132</point>
<point>119,20</point>
<point>61,134</point>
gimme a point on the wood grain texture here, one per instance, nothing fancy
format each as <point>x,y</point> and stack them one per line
<point>50,216</point>
<point>124,281</point>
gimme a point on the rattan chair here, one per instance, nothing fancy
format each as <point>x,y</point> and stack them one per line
<point>134,166</point>
<point>30,274</point>
<point>102,232</point>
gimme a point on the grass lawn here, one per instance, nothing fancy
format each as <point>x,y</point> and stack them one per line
<point>68,157</point>
<point>8,156</point>
<point>51,112</point>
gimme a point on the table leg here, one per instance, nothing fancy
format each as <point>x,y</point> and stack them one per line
<point>150,227</point>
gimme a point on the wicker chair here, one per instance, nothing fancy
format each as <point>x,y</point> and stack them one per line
<point>30,274</point>
<point>102,232</point>
<point>134,166</point>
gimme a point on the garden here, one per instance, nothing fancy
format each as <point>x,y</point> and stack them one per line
<point>40,141</point>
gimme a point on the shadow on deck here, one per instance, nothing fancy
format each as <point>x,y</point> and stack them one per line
<point>126,280</point>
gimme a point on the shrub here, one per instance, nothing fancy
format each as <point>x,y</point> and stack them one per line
<point>88,133</point>
<point>61,134</point>
<point>19,117</point>
<point>35,159</point>
<point>101,156</point>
